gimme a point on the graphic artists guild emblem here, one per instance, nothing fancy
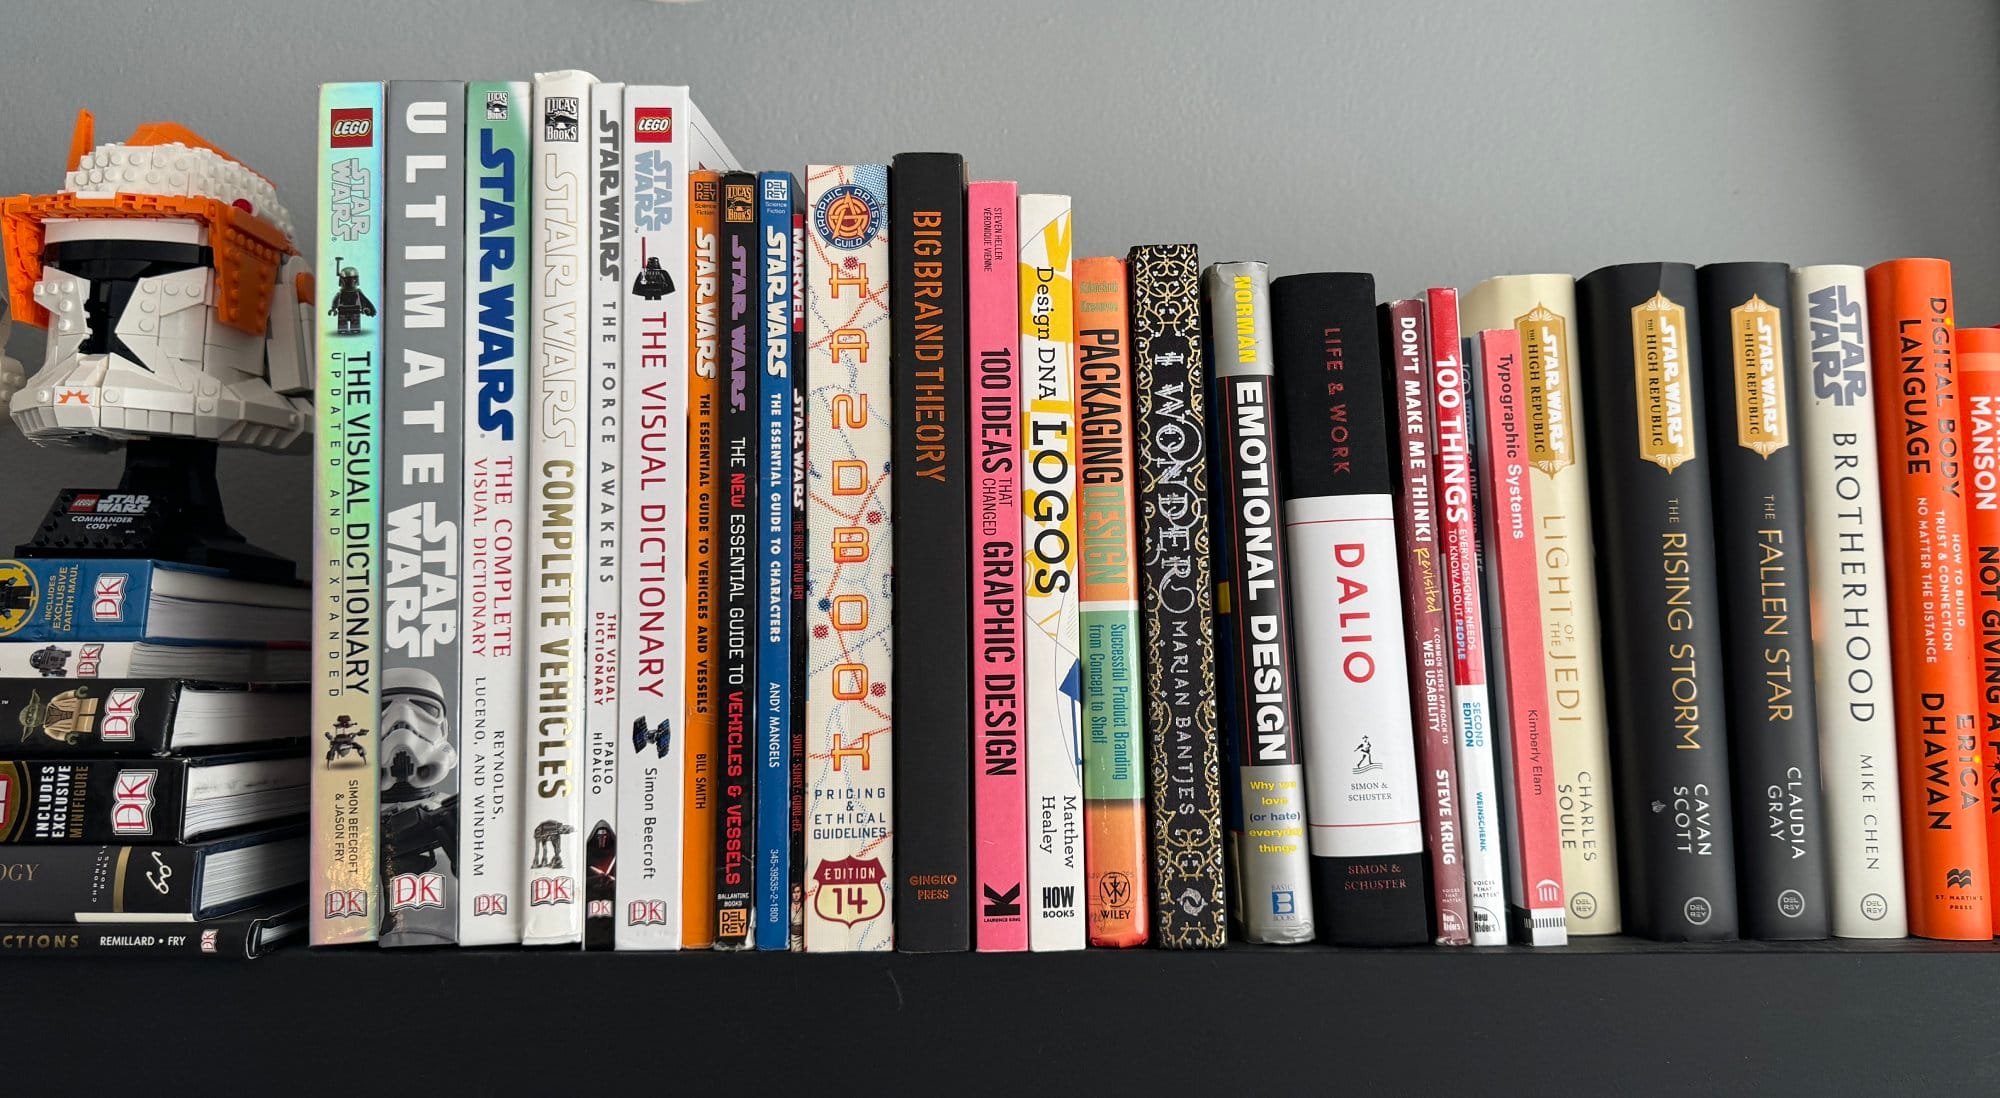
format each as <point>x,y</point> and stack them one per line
<point>847,216</point>
<point>850,890</point>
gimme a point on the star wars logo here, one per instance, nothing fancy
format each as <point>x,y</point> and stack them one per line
<point>119,719</point>
<point>409,891</point>
<point>420,599</point>
<point>132,802</point>
<point>544,891</point>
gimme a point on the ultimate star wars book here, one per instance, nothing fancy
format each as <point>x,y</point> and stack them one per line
<point>738,762</point>
<point>146,716</point>
<point>1177,663</point>
<point>1542,308</point>
<point>774,569</point>
<point>240,937</point>
<point>1832,373</point>
<point>1363,801</point>
<point>1767,631</point>
<point>176,800</point>
<point>850,557</point>
<point>1979,377</point>
<point>423,451</point>
<point>345,888</point>
<point>933,572</point>
<point>1650,462</point>
<point>149,882</point>
<point>1918,415</point>
<point>1254,599</point>
<point>493,573</point>
<point>606,509</point>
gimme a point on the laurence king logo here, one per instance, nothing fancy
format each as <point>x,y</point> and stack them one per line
<point>653,124</point>
<point>351,127</point>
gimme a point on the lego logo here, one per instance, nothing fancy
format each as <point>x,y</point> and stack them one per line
<point>83,505</point>
<point>352,128</point>
<point>652,124</point>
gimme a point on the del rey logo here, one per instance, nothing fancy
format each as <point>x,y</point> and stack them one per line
<point>653,124</point>
<point>351,127</point>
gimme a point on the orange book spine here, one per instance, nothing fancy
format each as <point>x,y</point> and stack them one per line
<point>1114,783</point>
<point>703,550</point>
<point>1979,378</point>
<point>1917,413</point>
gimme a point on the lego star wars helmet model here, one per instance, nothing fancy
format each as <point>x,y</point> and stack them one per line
<point>178,316</point>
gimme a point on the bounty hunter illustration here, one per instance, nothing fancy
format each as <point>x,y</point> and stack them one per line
<point>419,827</point>
<point>548,844</point>
<point>178,318</point>
<point>349,303</point>
<point>344,739</point>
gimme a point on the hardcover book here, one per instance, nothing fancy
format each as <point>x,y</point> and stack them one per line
<point>1917,405</point>
<point>1466,618</point>
<point>850,558</point>
<point>147,716</point>
<point>1048,552</point>
<point>1177,665</point>
<point>1254,594</point>
<point>1340,526</point>
<point>1424,595</point>
<point>150,882</point>
<point>933,572</point>
<point>493,696</point>
<point>1767,646</point>
<point>1650,462</point>
<point>700,728</point>
<point>176,800</point>
<point>423,451</point>
<point>1542,308</point>
<point>345,888</point>
<point>289,662</point>
<point>1979,378</point>
<point>1535,908</point>
<point>1000,782</point>
<point>777,203</point>
<point>237,937</point>
<point>736,787</point>
<point>1832,374</point>
<point>112,600</point>
<point>1114,785</point>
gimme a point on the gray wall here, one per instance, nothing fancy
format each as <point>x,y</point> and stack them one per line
<point>1431,142</point>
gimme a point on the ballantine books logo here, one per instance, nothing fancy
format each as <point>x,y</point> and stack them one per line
<point>847,216</point>
<point>351,127</point>
<point>1759,375</point>
<point>1659,358</point>
<point>850,890</point>
<point>1544,335</point>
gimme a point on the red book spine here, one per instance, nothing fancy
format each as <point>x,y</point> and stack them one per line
<point>1424,593</point>
<point>1979,374</point>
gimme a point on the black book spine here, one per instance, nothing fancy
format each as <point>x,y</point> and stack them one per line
<point>1759,489</point>
<point>57,884</point>
<point>1655,539</point>
<point>1177,610</point>
<point>798,775</point>
<point>933,615</point>
<point>94,716</point>
<point>238,938</point>
<point>92,800</point>
<point>735,829</point>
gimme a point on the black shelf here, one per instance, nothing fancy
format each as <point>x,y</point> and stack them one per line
<point>1604,1016</point>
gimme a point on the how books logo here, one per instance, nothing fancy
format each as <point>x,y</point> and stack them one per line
<point>132,802</point>
<point>1665,408</point>
<point>120,719</point>
<point>653,124</point>
<point>1544,335</point>
<point>347,903</point>
<point>351,127</point>
<point>1759,375</point>
<point>107,596</point>
<point>408,891</point>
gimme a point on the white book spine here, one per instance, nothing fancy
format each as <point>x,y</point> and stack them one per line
<point>1048,550</point>
<point>492,680</point>
<point>601,599</point>
<point>559,492</point>
<point>1850,601</point>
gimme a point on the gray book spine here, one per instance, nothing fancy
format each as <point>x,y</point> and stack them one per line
<point>422,454</point>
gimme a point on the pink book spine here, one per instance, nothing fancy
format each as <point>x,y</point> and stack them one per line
<point>1000,776</point>
<point>1534,861</point>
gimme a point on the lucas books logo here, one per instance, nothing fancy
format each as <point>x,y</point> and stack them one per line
<point>653,124</point>
<point>560,115</point>
<point>351,127</point>
<point>496,106</point>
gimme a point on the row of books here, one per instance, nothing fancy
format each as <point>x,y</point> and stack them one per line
<point>845,566</point>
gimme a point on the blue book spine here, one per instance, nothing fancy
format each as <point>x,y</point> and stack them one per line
<point>778,201</point>
<point>49,599</point>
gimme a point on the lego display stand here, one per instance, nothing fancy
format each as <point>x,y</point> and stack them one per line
<point>166,507</point>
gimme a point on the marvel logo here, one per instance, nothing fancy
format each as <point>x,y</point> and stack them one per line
<point>489,903</point>
<point>347,903</point>
<point>543,891</point>
<point>408,891</point>
<point>655,124</point>
<point>120,720</point>
<point>646,913</point>
<point>352,127</point>
<point>107,597</point>
<point>132,802</point>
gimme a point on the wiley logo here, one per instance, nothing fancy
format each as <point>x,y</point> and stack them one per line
<point>1958,878</point>
<point>1002,905</point>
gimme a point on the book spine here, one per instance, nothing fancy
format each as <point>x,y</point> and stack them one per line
<point>93,800</point>
<point>1542,308</point>
<point>1850,601</point>
<point>1259,696</point>
<point>655,322</point>
<point>602,595</point>
<point>493,699</point>
<point>703,591</point>
<point>423,453</point>
<point>1979,374</point>
<point>1535,912</point>
<point>777,201</point>
<point>138,659</point>
<point>1000,785</point>
<point>73,883</point>
<point>1424,595</point>
<point>850,560</point>
<point>1048,554</point>
<point>933,573</point>
<point>736,803</point>
<point>1366,837</point>
<point>89,716</point>
<point>1170,379</point>
<point>1664,651</point>
<point>1472,720</point>
<point>1936,670</point>
<point>799,646</point>
<point>226,939</point>
<point>1759,546</point>
<point>1114,784</point>
<point>345,889</point>
<point>558,481</point>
